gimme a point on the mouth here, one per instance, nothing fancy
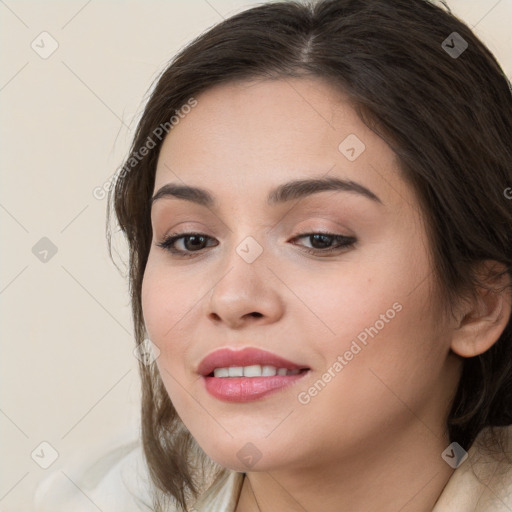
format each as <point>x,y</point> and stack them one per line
<point>247,375</point>
<point>252,371</point>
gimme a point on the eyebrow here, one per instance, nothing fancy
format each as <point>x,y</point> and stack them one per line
<point>295,189</point>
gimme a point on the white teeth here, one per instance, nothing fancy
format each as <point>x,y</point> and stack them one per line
<point>255,370</point>
<point>236,371</point>
<point>268,371</point>
<point>221,372</point>
<point>252,371</point>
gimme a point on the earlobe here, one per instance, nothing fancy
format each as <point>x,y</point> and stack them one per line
<point>483,321</point>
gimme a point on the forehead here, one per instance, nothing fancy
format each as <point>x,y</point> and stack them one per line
<point>251,136</point>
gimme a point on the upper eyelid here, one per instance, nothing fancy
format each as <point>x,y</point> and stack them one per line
<point>310,216</point>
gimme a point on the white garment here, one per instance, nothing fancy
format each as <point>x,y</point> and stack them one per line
<point>119,482</point>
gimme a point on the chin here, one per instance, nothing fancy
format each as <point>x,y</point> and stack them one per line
<point>243,454</point>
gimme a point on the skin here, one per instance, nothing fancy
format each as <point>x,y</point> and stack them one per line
<point>372,438</point>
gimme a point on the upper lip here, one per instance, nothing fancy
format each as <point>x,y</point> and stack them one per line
<point>225,357</point>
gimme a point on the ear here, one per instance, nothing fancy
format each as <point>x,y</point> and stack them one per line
<point>482,321</point>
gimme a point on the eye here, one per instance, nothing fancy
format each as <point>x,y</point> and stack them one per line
<point>323,242</point>
<point>196,243</point>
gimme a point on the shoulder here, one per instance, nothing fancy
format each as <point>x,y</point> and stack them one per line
<point>482,483</point>
<point>117,480</point>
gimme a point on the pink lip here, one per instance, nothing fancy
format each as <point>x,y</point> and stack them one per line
<point>226,357</point>
<point>246,389</point>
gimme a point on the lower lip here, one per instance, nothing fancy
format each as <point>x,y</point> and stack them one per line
<point>248,389</point>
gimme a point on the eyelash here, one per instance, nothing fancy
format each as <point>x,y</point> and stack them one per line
<point>346,242</point>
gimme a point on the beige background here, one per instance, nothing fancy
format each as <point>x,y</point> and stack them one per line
<point>68,374</point>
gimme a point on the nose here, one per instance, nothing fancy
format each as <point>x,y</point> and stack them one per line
<point>245,294</point>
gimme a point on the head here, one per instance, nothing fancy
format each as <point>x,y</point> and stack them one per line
<point>421,140</point>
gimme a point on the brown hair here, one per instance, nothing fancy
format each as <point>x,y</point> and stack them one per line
<point>448,119</point>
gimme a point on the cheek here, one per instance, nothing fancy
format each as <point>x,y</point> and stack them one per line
<point>379,314</point>
<point>165,303</point>
<point>360,299</point>
<point>387,338</point>
<point>164,306</point>
<point>153,300</point>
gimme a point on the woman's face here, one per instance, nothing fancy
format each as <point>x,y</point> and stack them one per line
<point>356,320</point>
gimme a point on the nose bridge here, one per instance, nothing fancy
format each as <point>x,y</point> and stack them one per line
<point>244,265</point>
<point>246,287</point>
<point>247,238</point>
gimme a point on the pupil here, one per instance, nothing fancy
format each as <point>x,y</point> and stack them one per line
<point>324,238</point>
<point>196,238</point>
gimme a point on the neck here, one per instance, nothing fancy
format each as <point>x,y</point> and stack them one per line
<point>406,473</point>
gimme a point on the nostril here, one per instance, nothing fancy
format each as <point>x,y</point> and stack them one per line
<point>255,313</point>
